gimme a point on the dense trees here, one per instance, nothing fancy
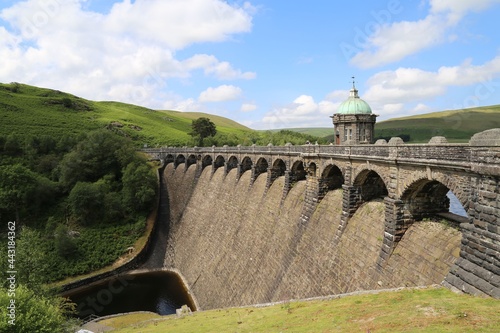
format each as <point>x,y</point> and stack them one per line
<point>79,203</point>
<point>85,198</point>
<point>107,180</point>
<point>100,179</point>
<point>17,184</point>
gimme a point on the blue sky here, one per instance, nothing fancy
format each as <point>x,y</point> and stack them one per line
<point>264,63</point>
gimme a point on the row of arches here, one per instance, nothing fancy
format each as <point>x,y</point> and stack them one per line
<point>422,198</point>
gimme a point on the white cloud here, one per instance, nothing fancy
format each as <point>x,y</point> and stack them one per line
<point>421,108</point>
<point>177,24</point>
<point>220,69</point>
<point>248,107</point>
<point>185,105</point>
<point>393,42</point>
<point>394,93</point>
<point>127,54</point>
<point>220,94</point>
<point>224,71</point>
<point>405,85</point>
<point>302,112</point>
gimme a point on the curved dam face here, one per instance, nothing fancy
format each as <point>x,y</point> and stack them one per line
<point>238,244</point>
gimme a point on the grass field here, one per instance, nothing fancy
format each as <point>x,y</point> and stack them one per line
<point>425,310</point>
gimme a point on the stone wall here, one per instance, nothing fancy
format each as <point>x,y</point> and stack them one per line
<point>238,244</point>
<point>410,181</point>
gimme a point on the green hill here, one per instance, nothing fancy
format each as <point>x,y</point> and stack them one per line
<point>38,111</point>
<point>455,125</point>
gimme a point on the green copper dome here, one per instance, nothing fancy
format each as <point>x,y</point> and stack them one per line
<point>354,104</point>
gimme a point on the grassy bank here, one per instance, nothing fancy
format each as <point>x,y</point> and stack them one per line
<point>425,310</point>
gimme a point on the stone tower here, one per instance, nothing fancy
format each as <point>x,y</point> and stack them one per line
<point>354,122</point>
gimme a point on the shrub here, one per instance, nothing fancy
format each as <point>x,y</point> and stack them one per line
<point>86,202</point>
<point>65,244</point>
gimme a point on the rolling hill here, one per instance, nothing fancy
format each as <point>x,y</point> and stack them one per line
<point>40,111</point>
<point>456,125</point>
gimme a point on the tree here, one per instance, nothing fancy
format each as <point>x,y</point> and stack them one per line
<point>202,128</point>
<point>101,153</point>
<point>17,184</point>
<point>65,244</point>
<point>139,186</point>
<point>86,201</point>
<point>31,259</point>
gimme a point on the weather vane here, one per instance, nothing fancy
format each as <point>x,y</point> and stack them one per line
<point>353,86</point>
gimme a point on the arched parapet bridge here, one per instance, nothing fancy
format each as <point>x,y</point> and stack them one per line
<point>412,180</point>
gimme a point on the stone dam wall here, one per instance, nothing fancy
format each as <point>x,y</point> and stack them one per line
<point>237,243</point>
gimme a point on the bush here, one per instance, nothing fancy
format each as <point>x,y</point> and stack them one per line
<point>101,153</point>
<point>35,313</point>
<point>65,244</point>
<point>139,187</point>
<point>86,202</point>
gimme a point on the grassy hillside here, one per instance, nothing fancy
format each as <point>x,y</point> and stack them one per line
<point>39,111</point>
<point>456,126</point>
<point>429,310</point>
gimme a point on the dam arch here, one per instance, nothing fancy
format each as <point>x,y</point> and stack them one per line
<point>298,172</point>
<point>331,179</point>
<point>219,162</point>
<point>169,158</point>
<point>206,161</point>
<point>425,198</point>
<point>260,167</point>
<point>277,170</point>
<point>232,163</point>
<point>370,185</point>
<point>246,164</point>
<point>179,159</point>
<point>192,159</point>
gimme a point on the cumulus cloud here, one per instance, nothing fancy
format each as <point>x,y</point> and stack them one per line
<point>399,92</point>
<point>304,111</point>
<point>220,69</point>
<point>128,53</point>
<point>405,85</point>
<point>390,42</point>
<point>220,94</point>
<point>248,107</point>
<point>189,104</point>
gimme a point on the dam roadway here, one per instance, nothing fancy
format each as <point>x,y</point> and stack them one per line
<point>260,224</point>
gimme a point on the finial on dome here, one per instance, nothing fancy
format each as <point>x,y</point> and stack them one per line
<point>354,91</point>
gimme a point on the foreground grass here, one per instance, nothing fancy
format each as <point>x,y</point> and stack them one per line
<point>426,310</point>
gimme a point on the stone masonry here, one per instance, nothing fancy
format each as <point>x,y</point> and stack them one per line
<point>409,181</point>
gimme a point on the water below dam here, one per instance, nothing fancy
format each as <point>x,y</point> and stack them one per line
<point>161,292</point>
